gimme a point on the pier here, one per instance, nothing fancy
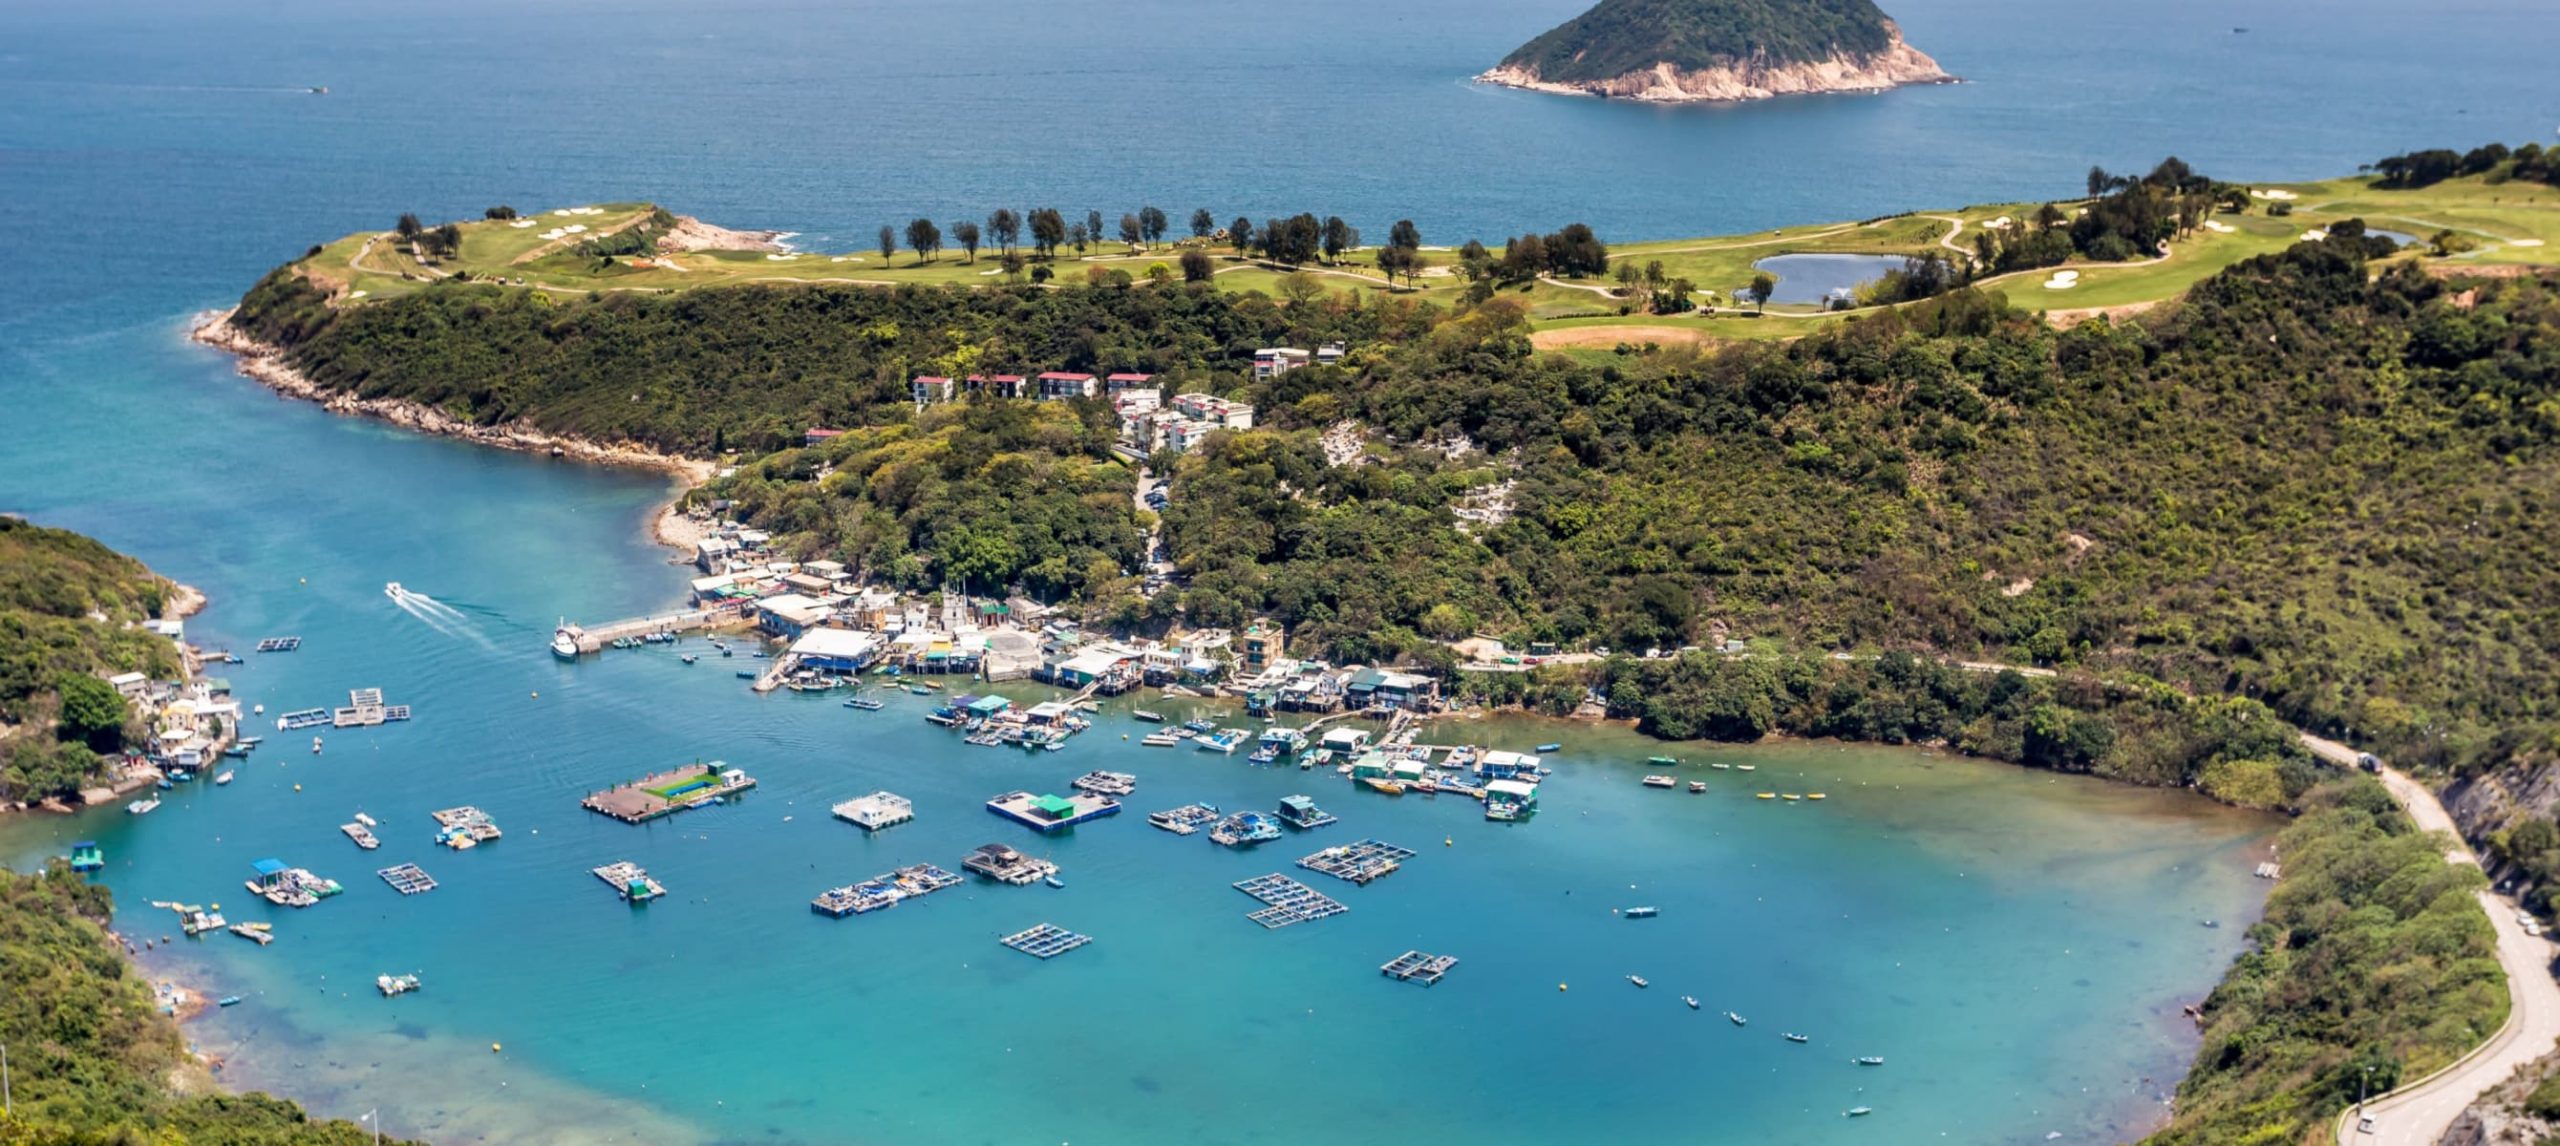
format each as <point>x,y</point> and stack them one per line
<point>408,879</point>
<point>1418,967</point>
<point>882,891</point>
<point>1052,813</point>
<point>1290,901</point>
<point>630,881</point>
<point>1047,941</point>
<point>667,793</point>
<point>596,638</point>
<point>876,811</point>
<point>1359,863</point>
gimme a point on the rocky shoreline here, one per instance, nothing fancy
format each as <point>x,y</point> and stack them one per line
<point>265,362</point>
<point>1898,65</point>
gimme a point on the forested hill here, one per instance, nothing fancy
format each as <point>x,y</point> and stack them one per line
<point>1620,36</point>
<point>2322,480</point>
<point>70,610</point>
<point>90,1061</point>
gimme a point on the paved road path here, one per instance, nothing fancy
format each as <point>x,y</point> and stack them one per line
<point>2418,1114</point>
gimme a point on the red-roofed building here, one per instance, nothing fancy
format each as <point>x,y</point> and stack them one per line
<point>932,388</point>
<point>817,434</point>
<point>1057,384</point>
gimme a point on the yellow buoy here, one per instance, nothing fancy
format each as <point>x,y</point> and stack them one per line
<point>537,696</point>
<point>1559,986</point>
<point>297,787</point>
<point>493,1048</point>
<point>303,581</point>
<point>1448,842</point>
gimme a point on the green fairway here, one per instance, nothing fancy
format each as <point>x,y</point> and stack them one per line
<point>2512,223</point>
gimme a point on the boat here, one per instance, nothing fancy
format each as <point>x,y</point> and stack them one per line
<point>1225,741</point>
<point>1149,717</point>
<point>1860,1111</point>
<point>1720,766</point>
<point>864,703</point>
<point>748,674</point>
<point>222,777</point>
<point>1692,1000</point>
<point>564,641</point>
<point>1871,1060</point>
<point>315,745</point>
<point>258,933</point>
<point>394,591</point>
<point>1056,882</point>
<point>1161,740</point>
<point>1791,797</point>
<point>86,855</point>
<point>362,835</point>
<point>1201,725</point>
<point>1765,795</point>
<point>1659,781</point>
<point>228,1001</point>
<point>236,752</point>
<point>1815,796</point>
<point>1642,912</point>
<point>1746,767</point>
<point>253,741</point>
<point>688,658</point>
<point>1738,1020</point>
<point>1549,747</point>
<point>1383,784</point>
<point>1663,761</point>
<point>367,821</point>
<point>1697,786</point>
<point>396,984</point>
<point>1639,980</point>
<point>166,784</point>
<point>1797,1038</point>
<point>143,807</point>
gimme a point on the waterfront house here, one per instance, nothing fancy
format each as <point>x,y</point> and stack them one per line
<point>790,614</point>
<point>1118,384</point>
<point>1274,361</point>
<point>929,389</point>
<point>1379,688</point>
<point>1501,765</point>
<point>1514,797</point>
<point>1263,644</point>
<point>836,650</point>
<point>1344,739</point>
<point>711,553</point>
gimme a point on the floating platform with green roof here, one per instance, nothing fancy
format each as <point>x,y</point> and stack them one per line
<point>1051,813</point>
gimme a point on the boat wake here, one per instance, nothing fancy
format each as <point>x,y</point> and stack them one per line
<point>441,617</point>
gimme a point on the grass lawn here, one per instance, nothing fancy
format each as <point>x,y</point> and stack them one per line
<point>2514,222</point>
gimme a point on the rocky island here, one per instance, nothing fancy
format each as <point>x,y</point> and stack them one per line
<point>1687,51</point>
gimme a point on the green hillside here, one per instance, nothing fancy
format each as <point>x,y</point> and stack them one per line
<point>1620,36</point>
<point>70,610</point>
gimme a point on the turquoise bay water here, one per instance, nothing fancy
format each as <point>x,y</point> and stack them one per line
<point>2014,943</point>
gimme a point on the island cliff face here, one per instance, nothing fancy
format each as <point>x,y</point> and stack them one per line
<point>1676,51</point>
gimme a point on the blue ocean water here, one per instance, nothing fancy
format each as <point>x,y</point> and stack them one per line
<point>2015,943</point>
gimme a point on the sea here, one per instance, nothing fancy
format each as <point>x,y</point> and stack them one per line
<point>2015,944</point>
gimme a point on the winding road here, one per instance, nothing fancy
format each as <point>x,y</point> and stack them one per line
<point>2418,1114</point>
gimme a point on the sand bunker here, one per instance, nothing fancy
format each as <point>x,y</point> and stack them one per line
<point>2276,193</point>
<point>2219,227</point>
<point>2314,235</point>
<point>2062,280</point>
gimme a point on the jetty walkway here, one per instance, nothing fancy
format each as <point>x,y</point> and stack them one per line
<point>595,638</point>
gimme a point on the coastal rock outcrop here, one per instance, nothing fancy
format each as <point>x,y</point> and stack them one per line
<point>1684,51</point>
